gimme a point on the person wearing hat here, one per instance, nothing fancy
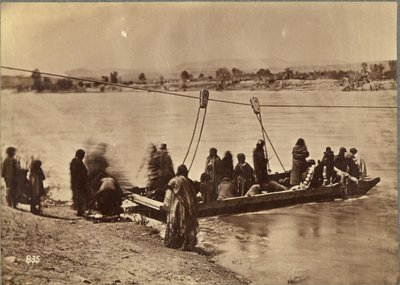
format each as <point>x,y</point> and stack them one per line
<point>166,171</point>
<point>79,182</point>
<point>243,174</point>
<point>299,163</point>
<point>10,175</point>
<point>340,160</point>
<point>352,168</point>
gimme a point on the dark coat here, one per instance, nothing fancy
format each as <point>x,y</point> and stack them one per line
<point>299,164</point>
<point>260,165</point>
<point>10,172</point>
<point>79,176</point>
<point>340,162</point>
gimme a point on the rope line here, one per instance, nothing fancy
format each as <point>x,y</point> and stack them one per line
<point>194,97</point>
<point>198,141</point>
<point>194,132</point>
<point>270,142</point>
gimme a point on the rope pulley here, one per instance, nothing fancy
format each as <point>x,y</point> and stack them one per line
<point>204,95</point>
<point>255,104</point>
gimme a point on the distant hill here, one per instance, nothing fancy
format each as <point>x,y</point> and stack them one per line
<point>209,67</point>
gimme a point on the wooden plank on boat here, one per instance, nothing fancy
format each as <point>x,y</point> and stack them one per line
<point>141,200</point>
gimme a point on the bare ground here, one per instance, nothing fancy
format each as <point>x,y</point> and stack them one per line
<point>77,251</point>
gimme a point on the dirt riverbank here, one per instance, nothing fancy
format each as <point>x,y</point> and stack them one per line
<point>77,251</point>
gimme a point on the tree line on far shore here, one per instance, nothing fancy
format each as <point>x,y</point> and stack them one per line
<point>223,77</point>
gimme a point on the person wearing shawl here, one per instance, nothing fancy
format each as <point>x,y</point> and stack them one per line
<point>36,178</point>
<point>227,165</point>
<point>181,208</point>
<point>340,160</point>
<point>213,167</point>
<point>243,175</point>
<point>299,165</point>
<point>260,163</point>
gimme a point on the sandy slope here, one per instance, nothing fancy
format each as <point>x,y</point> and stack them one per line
<point>77,251</point>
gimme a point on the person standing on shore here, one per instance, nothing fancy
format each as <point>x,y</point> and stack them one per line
<point>166,172</point>
<point>181,208</point>
<point>79,182</point>
<point>10,175</point>
<point>36,178</point>
<point>299,165</point>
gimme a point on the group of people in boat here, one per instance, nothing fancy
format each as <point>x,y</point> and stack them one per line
<point>346,166</point>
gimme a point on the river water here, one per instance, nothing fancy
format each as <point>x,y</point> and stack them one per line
<point>340,242</point>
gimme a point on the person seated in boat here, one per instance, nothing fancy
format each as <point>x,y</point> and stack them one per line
<point>352,168</point>
<point>254,190</point>
<point>206,188</point>
<point>299,163</point>
<point>213,167</point>
<point>359,162</point>
<point>243,175</point>
<point>226,189</point>
<point>340,160</point>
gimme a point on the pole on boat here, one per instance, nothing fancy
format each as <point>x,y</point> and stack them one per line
<point>255,104</point>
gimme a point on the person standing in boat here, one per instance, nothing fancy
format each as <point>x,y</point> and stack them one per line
<point>181,208</point>
<point>227,165</point>
<point>206,189</point>
<point>340,160</point>
<point>10,174</point>
<point>260,162</point>
<point>299,163</point>
<point>328,166</point>
<point>359,162</point>
<point>36,178</point>
<point>79,182</point>
<point>166,171</point>
<point>213,167</point>
<point>243,175</point>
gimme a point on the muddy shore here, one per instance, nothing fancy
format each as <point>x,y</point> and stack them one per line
<point>73,250</point>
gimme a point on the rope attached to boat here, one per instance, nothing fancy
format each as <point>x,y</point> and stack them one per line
<point>198,141</point>
<point>270,142</point>
<point>194,132</point>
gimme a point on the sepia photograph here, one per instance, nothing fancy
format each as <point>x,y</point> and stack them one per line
<point>199,143</point>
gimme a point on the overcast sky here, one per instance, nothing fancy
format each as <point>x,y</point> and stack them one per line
<point>57,37</point>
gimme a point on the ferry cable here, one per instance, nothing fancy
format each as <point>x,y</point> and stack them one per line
<point>193,97</point>
<point>194,132</point>
<point>198,141</point>
<point>270,142</point>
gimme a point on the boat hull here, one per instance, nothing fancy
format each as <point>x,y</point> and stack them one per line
<point>265,201</point>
